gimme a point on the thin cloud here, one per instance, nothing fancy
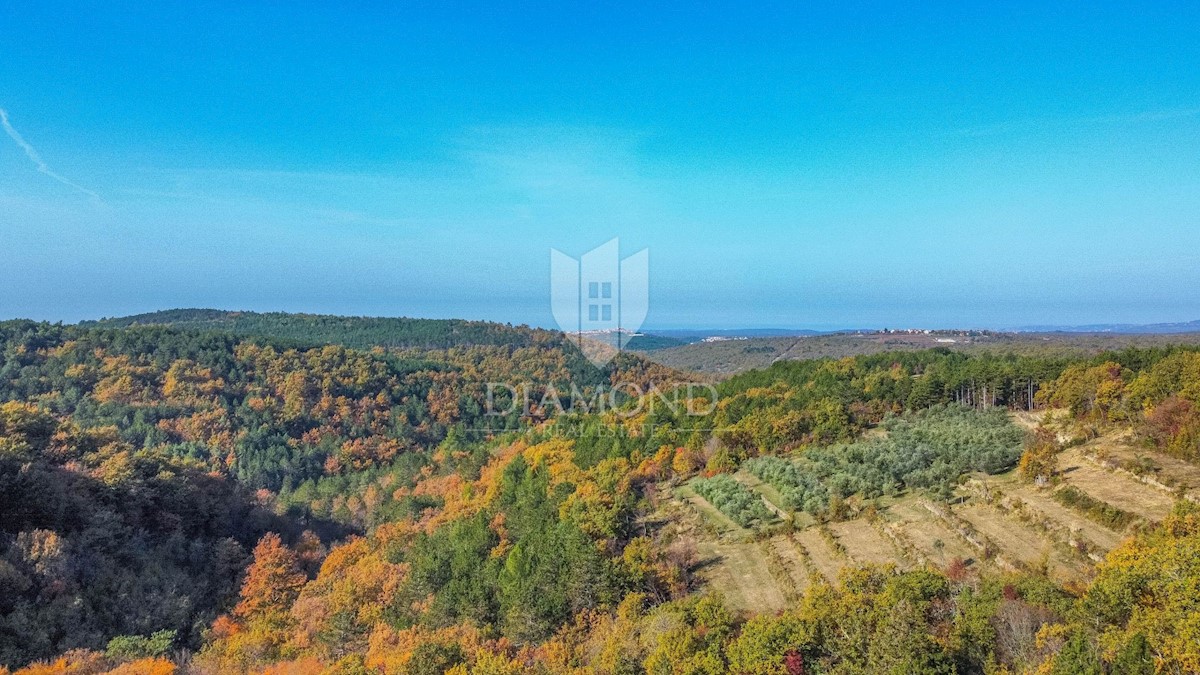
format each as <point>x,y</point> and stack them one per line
<point>37,159</point>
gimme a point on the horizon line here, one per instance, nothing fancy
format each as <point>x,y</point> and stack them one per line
<point>1096,326</point>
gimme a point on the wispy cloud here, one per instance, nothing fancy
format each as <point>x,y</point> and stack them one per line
<point>37,159</point>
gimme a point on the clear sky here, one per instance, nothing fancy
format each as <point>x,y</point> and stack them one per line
<point>787,166</point>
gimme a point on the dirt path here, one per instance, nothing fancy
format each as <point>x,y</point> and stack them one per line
<point>1028,420</point>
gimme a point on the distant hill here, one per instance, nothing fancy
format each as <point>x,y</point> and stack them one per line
<point>697,335</point>
<point>649,342</point>
<point>677,337</point>
<point>1122,328</point>
<point>354,332</point>
<point>725,357</point>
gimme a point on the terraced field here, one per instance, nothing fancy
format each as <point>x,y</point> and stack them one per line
<point>740,572</point>
<point>1040,501</point>
<point>825,560</point>
<point>1124,492</point>
<point>728,560</point>
<point>864,545</point>
<point>1169,471</point>
<point>793,561</point>
<point>996,523</point>
<point>932,540</point>
<point>1020,543</point>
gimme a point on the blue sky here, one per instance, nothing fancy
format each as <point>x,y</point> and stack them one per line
<point>787,166</point>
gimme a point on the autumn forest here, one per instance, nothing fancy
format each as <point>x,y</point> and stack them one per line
<point>198,500</point>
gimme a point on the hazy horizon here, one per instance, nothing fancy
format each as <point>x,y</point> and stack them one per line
<point>784,166</point>
<point>698,328</point>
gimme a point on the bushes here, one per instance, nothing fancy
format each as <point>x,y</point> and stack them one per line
<point>929,449</point>
<point>1101,512</point>
<point>733,499</point>
<point>139,646</point>
<point>1040,459</point>
<point>801,491</point>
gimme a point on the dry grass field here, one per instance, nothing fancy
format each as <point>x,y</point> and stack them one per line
<point>792,559</point>
<point>932,539</point>
<point>739,571</point>
<point>1124,492</point>
<point>1168,470</point>
<point>1021,543</point>
<point>864,545</point>
<point>825,560</point>
<point>1039,501</point>
<point>729,560</point>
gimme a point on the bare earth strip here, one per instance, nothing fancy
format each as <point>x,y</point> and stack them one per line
<point>1120,491</point>
<point>925,530</point>
<point>740,573</point>
<point>863,544</point>
<point>785,548</point>
<point>1018,541</point>
<point>827,562</point>
<point>1042,502</point>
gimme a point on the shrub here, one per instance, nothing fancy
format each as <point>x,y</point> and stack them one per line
<point>138,646</point>
<point>735,500</point>
<point>930,449</point>
<point>1101,512</point>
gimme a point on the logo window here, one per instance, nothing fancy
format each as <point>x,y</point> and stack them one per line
<point>600,311</point>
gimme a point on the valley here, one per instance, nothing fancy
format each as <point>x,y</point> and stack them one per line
<point>207,492</point>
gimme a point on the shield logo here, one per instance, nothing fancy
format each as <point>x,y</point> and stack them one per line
<point>599,300</point>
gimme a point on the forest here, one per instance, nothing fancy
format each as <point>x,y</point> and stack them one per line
<point>238,495</point>
<point>141,465</point>
<point>356,332</point>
